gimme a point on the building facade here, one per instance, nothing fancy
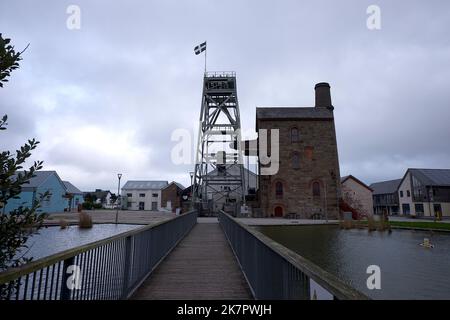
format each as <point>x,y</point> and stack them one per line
<point>43,181</point>
<point>171,196</point>
<point>307,183</point>
<point>425,193</point>
<point>385,197</point>
<point>357,195</point>
<point>218,191</point>
<point>74,196</point>
<point>143,195</point>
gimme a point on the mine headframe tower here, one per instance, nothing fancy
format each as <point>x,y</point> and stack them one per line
<point>219,173</point>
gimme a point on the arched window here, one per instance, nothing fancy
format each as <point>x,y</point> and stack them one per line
<point>294,135</point>
<point>295,160</point>
<point>279,190</point>
<point>316,189</point>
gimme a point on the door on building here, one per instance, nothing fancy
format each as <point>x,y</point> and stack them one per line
<point>154,206</point>
<point>406,209</point>
<point>437,211</point>
<point>278,211</point>
<point>141,205</point>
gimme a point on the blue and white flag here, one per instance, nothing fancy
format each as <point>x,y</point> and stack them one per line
<point>200,48</point>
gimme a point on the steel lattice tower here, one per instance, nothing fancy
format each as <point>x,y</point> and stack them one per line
<point>219,173</point>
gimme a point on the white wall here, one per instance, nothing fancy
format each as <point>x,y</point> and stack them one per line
<point>148,199</point>
<point>405,186</point>
<point>359,192</point>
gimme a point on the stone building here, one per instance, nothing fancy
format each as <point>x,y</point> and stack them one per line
<point>307,184</point>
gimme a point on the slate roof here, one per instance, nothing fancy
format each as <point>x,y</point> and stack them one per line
<point>40,178</point>
<point>385,187</point>
<point>179,185</point>
<point>144,184</point>
<point>432,177</point>
<point>293,113</point>
<point>70,188</point>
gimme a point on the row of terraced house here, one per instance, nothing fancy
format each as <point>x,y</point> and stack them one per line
<point>419,193</point>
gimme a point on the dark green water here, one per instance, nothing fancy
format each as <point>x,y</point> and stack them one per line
<point>408,270</point>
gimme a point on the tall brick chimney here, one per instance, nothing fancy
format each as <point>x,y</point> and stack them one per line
<point>323,96</point>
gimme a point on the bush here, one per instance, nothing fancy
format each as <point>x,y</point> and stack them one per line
<point>84,220</point>
<point>97,206</point>
<point>87,205</point>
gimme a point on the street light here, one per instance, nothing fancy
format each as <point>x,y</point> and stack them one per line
<point>119,175</point>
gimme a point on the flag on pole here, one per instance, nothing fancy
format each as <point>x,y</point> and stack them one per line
<point>200,48</point>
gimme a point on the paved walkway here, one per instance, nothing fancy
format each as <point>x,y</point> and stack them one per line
<point>201,267</point>
<point>109,216</point>
<point>282,222</point>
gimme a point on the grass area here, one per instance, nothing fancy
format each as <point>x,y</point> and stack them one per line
<point>421,224</point>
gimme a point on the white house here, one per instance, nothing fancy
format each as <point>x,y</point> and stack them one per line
<point>142,195</point>
<point>357,195</point>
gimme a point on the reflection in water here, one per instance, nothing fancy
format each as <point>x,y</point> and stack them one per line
<point>408,270</point>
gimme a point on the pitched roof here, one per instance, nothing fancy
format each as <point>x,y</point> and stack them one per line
<point>432,177</point>
<point>385,187</point>
<point>70,188</point>
<point>99,194</point>
<point>293,113</point>
<point>343,179</point>
<point>179,185</point>
<point>39,178</point>
<point>234,168</point>
<point>145,184</point>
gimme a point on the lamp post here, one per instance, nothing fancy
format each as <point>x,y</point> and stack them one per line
<point>119,175</point>
<point>192,189</point>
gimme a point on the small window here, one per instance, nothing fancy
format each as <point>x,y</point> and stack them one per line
<point>295,160</point>
<point>129,195</point>
<point>408,194</point>
<point>155,195</point>
<point>294,135</point>
<point>419,208</point>
<point>401,193</point>
<point>142,195</point>
<point>316,189</point>
<point>279,190</point>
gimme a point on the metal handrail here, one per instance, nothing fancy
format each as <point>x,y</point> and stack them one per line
<point>276,272</point>
<point>112,268</point>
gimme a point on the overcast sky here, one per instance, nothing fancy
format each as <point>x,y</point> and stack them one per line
<point>105,98</point>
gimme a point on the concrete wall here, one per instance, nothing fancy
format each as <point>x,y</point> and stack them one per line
<point>360,193</point>
<point>147,199</point>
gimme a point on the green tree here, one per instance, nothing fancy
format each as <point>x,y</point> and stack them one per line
<point>9,59</point>
<point>19,224</point>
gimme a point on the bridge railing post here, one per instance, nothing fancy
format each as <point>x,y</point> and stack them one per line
<point>66,292</point>
<point>126,268</point>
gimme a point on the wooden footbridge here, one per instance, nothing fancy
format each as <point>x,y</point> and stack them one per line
<point>183,258</point>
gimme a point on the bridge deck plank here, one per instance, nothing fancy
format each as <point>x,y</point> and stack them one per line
<point>202,267</point>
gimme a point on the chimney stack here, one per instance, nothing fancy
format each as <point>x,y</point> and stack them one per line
<point>323,96</point>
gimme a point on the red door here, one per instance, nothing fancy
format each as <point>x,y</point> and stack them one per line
<point>278,212</point>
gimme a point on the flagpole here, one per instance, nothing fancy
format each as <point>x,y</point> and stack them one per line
<point>206,49</point>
